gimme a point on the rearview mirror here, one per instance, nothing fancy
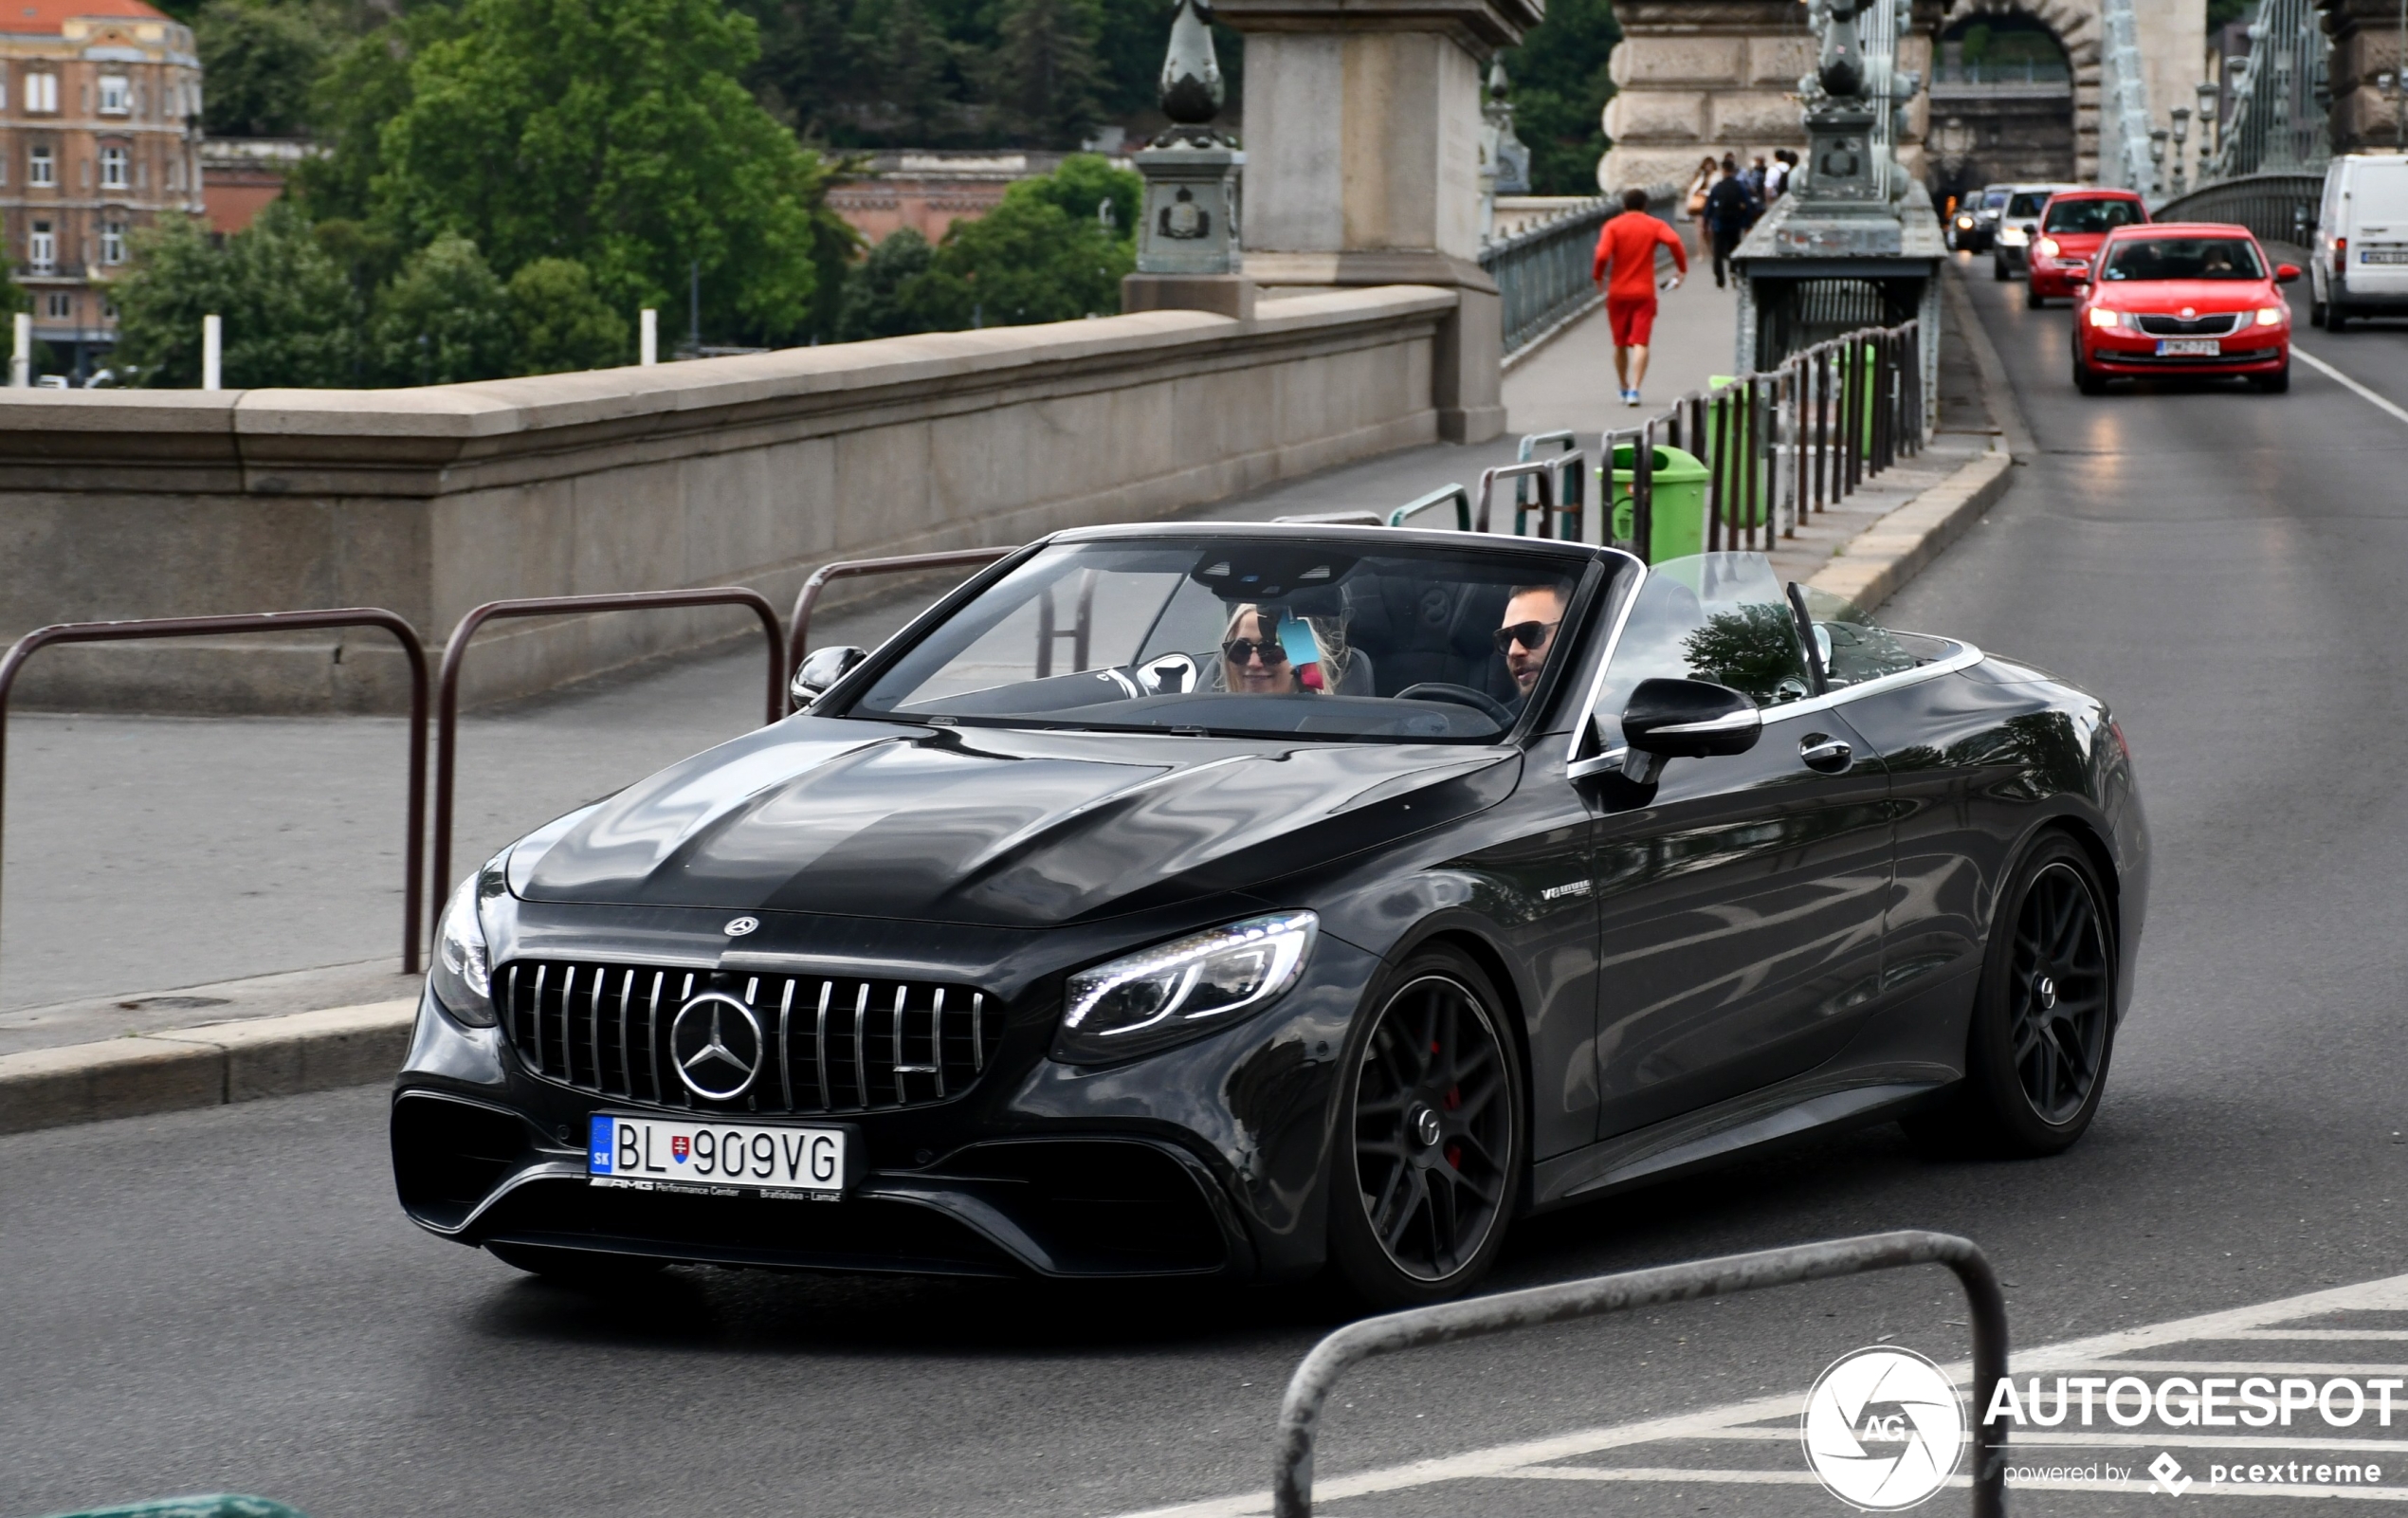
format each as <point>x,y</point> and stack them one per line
<point>821,668</point>
<point>2284,273</point>
<point>1685,718</point>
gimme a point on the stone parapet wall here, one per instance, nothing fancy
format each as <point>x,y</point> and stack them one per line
<point>746,470</point>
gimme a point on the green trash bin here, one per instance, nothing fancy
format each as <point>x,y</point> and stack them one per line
<point>1677,512</point>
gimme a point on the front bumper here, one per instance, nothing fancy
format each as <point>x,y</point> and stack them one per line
<point>1204,1158</point>
<point>2054,278</point>
<point>2114,354</point>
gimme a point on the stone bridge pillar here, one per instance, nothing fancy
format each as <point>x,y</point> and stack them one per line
<point>1362,163</point>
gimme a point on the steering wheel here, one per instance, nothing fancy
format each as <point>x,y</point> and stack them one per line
<point>1479,701</point>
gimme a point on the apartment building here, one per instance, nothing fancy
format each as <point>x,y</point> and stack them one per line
<point>100,135</point>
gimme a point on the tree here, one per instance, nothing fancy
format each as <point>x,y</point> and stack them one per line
<point>1045,75</point>
<point>614,133</point>
<point>1084,181</point>
<point>290,315</point>
<point>1026,261</point>
<point>261,59</point>
<point>444,319</point>
<point>872,307</point>
<point>561,323</point>
<point>1558,92</point>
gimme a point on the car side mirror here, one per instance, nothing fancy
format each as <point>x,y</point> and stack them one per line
<point>2284,273</point>
<point>821,668</point>
<point>2032,229</point>
<point>1685,718</point>
<point>2080,276</point>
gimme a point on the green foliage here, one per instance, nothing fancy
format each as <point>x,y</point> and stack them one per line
<point>444,319</point>
<point>290,314</point>
<point>1044,75</point>
<point>873,305</point>
<point>1559,87</point>
<point>2221,13</point>
<point>559,323</point>
<point>1084,181</point>
<point>261,59</point>
<point>1027,260</point>
<point>613,132</point>
<point>1752,649</point>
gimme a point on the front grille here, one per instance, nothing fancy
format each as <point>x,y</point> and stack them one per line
<point>2216,325</point>
<point>832,1043</point>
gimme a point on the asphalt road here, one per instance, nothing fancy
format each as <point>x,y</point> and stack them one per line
<point>227,1299</point>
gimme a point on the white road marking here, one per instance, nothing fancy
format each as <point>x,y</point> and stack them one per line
<point>2330,372</point>
<point>2307,1335</point>
<point>2387,1294</point>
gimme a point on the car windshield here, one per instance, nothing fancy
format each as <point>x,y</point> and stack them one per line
<point>2090,215</point>
<point>1993,199</point>
<point>2028,203</point>
<point>2185,258</point>
<point>1246,636</point>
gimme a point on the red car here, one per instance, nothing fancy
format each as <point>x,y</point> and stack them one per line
<point>2188,298</point>
<point>2072,225</point>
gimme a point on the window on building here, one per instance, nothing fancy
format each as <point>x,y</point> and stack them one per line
<point>113,242</point>
<point>117,95</point>
<point>176,174</point>
<point>41,91</point>
<point>42,248</point>
<point>41,167</point>
<point>62,305</point>
<point>113,174</point>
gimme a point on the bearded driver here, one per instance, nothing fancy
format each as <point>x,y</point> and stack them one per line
<point>1625,264</point>
<point>1531,617</point>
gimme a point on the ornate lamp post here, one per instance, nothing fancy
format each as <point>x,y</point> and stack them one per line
<point>2181,137</point>
<point>1187,248</point>
<point>2211,96</point>
<point>2157,160</point>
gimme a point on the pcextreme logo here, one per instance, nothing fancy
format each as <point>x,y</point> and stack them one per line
<point>1883,1429</point>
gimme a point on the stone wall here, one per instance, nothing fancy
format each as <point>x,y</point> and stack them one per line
<point>747,470</point>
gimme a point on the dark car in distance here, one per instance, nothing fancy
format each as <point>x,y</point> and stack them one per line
<point>1248,899</point>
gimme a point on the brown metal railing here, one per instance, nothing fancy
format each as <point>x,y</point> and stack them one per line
<point>798,629</point>
<point>448,715</point>
<point>200,627</point>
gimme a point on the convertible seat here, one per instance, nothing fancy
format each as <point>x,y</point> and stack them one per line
<point>1424,632</point>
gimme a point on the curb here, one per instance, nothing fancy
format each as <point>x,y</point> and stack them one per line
<point>210,1065</point>
<point>1879,562</point>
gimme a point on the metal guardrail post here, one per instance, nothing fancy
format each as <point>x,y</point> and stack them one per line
<point>1642,494</point>
<point>447,712</point>
<point>1531,442</point>
<point>1538,469</point>
<point>414,856</point>
<point>1308,1389</point>
<point>798,627</point>
<point>1456,493</point>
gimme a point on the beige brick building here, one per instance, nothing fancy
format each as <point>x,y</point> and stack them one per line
<point>99,134</point>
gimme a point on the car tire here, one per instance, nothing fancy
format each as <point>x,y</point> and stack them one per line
<point>581,1270</point>
<point>2336,315</point>
<point>2277,383</point>
<point>1427,1168</point>
<point>1999,269</point>
<point>2316,312</point>
<point>2043,1028</point>
<point>2033,300</point>
<point>2086,379</point>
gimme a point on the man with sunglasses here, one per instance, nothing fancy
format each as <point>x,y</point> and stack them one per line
<point>1532,614</point>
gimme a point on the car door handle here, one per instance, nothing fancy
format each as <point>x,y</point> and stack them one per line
<point>1820,750</point>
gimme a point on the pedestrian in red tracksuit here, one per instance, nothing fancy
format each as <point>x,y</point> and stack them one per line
<point>1625,264</point>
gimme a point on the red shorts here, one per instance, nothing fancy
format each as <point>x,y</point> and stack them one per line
<point>1634,322</point>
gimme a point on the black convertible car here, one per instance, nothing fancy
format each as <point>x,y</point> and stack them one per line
<point>1243,900</point>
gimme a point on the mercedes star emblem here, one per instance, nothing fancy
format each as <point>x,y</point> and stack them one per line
<point>738,926</point>
<point>716,1044</point>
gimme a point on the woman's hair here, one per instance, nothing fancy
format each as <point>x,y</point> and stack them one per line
<point>1329,632</point>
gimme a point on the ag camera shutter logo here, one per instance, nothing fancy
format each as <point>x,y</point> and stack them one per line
<point>1883,1429</point>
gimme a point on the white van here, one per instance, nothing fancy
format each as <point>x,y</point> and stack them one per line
<point>2360,263</point>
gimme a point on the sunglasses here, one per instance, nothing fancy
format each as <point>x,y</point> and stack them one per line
<point>1240,651</point>
<point>1531,636</point>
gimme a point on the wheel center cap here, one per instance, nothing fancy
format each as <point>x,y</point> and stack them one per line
<point>1425,1125</point>
<point>2045,989</point>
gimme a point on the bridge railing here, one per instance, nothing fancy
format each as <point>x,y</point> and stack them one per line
<point>2278,206</point>
<point>1542,273</point>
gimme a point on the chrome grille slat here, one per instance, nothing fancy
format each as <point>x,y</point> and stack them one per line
<point>598,1051</point>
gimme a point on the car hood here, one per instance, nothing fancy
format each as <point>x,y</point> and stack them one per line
<point>2203,296</point>
<point>994,827</point>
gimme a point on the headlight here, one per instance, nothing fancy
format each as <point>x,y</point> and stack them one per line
<point>2045,247</point>
<point>1964,224</point>
<point>1181,990</point>
<point>2011,236</point>
<point>2270,316</point>
<point>2100,317</point>
<point>462,974</point>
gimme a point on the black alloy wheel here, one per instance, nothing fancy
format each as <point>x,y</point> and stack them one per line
<point>2085,378</point>
<point>1430,1165</point>
<point>2044,1020</point>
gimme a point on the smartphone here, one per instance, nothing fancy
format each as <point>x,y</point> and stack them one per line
<point>1303,652</point>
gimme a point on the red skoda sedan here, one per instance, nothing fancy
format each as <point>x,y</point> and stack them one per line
<point>2072,225</point>
<point>2189,298</point>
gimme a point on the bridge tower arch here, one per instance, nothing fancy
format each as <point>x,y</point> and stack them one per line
<point>2015,95</point>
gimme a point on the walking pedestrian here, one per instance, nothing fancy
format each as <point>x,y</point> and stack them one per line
<point>1729,211</point>
<point>1625,264</point>
<point>1776,177</point>
<point>1702,185</point>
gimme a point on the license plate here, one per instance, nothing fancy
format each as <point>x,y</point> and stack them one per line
<point>2206,347</point>
<point>2382,255</point>
<point>718,1159</point>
